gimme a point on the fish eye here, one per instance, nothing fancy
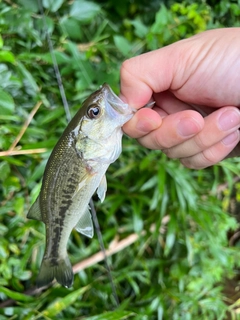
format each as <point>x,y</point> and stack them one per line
<point>93,111</point>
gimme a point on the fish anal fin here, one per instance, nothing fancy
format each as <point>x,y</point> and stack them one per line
<point>102,188</point>
<point>35,211</point>
<point>85,225</point>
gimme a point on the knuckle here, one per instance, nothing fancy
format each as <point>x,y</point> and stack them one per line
<point>201,142</point>
<point>196,162</point>
<point>209,157</point>
<point>157,141</point>
<point>188,163</point>
<point>169,153</point>
<point>126,68</point>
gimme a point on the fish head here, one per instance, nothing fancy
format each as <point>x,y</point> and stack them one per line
<point>99,132</point>
<point>104,114</point>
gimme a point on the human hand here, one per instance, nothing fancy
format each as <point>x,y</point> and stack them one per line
<point>189,79</point>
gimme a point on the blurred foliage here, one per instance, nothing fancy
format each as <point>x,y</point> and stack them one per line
<point>177,267</point>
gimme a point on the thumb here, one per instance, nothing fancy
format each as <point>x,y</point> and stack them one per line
<point>145,74</point>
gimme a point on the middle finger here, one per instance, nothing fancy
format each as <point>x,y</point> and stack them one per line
<point>218,125</point>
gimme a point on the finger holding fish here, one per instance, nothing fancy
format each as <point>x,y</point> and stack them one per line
<point>150,126</point>
<point>143,122</point>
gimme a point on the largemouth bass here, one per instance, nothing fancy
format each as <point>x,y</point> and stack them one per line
<point>75,170</point>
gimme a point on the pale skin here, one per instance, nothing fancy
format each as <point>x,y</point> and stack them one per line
<point>196,86</point>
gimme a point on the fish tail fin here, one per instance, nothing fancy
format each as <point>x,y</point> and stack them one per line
<point>60,269</point>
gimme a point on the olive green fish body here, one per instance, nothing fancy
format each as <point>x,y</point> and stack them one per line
<point>75,169</point>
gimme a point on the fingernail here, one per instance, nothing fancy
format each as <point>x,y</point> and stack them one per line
<point>187,127</point>
<point>229,119</point>
<point>231,138</point>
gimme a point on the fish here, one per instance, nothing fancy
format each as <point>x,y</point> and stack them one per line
<point>75,170</point>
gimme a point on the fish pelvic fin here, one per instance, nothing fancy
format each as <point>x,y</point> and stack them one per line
<point>35,211</point>
<point>85,225</point>
<point>102,188</point>
<point>61,270</point>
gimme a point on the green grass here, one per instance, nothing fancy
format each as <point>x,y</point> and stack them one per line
<point>175,221</point>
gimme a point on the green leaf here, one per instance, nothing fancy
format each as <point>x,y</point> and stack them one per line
<point>52,5</point>
<point>30,5</point>
<point>12,160</point>
<point>46,25</point>
<point>8,118</point>
<point>1,42</point>
<point>6,103</point>
<point>6,56</point>
<point>16,295</point>
<point>140,29</point>
<point>60,57</point>
<point>84,11</point>
<point>4,170</point>
<point>162,17</point>
<point>114,315</point>
<point>151,183</point>
<point>53,115</point>
<point>61,304</point>
<point>171,236</point>
<point>122,44</point>
<point>27,75</point>
<point>70,27</point>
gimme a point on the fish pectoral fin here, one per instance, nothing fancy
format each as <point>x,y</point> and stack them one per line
<point>81,185</point>
<point>102,188</point>
<point>35,212</point>
<point>85,225</point>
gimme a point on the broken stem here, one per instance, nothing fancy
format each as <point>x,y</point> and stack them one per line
<point>25,126</point>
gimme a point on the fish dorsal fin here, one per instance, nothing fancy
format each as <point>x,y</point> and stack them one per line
<point>102,188</point>
<point>85,225</point>
<point>35,212</point>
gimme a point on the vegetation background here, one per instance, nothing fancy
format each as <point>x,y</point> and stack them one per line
<point>179,226</point>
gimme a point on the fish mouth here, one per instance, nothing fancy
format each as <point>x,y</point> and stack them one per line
<point>116,103</point>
